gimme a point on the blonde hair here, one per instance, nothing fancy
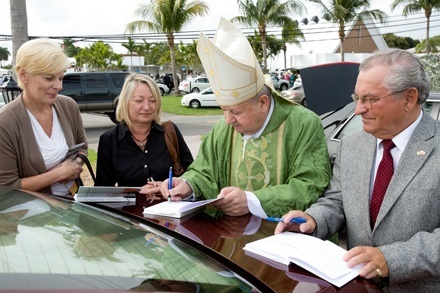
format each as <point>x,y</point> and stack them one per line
<point>40,56</point>
<point>130,84</point>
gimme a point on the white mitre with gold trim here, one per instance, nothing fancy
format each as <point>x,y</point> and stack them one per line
<point>230,65</point>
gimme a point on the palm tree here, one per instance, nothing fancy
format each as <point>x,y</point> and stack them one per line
<point>291,34</point>
<point>131,47</point>
<point>4,55</point>
<point>19,26</point>
<point>413,6</point>
<point>168,17</point>
<point>434,43</point>
<point>344,11</point>
<point>266,13</point>
<point>69,47</point>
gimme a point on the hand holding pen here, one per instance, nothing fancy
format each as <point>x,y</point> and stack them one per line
<point>151,188</point>
<point>175,189</point>
<point>170,182</point>
<point>296,221</point>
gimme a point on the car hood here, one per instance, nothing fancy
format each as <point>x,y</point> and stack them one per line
<point>329,86</point>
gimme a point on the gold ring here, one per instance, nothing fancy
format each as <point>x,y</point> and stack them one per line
<point>379,272</point>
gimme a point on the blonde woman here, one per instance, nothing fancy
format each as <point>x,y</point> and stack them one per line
<point>134,152</point>
<point>39,126</point>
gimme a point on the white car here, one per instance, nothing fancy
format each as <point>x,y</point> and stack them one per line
<point>295,94</point>
<point>194,85</point>
<point>205,98</point>
<point>163,88</point>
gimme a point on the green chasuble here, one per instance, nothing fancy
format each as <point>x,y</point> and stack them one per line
<point>287,167</point>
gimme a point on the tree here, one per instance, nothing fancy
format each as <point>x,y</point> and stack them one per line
<point>413,6</point>
<point>4,55</point>
<point>343,11</point>
<point>190,58</point>
<point>266,13</point>
<point>99,56</point>
<point>69,47</point>
<point>432,67</point>
<point>291,34</point>
<point>168,17</point>
<point>273,45</point>
<point>131,47</point>
<point>19,26</point>
<point>403,43</point>
<point>434,43</point>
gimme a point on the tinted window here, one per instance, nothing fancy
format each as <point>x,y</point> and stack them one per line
<point>96,81</point>
<point>72,81</point>
<point>118,79</point>
<point>353,125</point>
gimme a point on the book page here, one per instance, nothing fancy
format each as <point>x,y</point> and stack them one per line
<point>323,258</point>
<point>175,208</point>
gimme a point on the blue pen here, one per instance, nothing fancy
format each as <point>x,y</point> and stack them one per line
<point>149,241</point>
<point>294,220</point>
<point>170,181</point>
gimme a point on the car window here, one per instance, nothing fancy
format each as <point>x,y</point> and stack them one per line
<point>118,79</point>
<point>96,81</point>
<point>71,81</point>
<point>202,80</point>
<point>353,125</point>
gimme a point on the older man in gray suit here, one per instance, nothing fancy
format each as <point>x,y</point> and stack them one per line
<point>399,241</point>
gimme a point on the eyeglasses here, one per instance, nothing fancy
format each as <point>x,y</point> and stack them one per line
<point>368,103</point>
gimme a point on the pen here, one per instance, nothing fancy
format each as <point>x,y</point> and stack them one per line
<point>149,241</point>
<point>154,182</point>
<point>170,181</point>
<point>294,220</point>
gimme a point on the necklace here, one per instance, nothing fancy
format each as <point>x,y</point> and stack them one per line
<point>141,143</point>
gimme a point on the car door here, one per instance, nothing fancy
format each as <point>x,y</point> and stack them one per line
<point>207,98</point>
<point>99,92</point>
<point>73,87</point>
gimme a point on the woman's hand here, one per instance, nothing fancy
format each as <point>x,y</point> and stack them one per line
<point>151,188</point>
<point>69,170</point>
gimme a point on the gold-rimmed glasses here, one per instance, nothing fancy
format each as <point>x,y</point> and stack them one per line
<point>368,103</point>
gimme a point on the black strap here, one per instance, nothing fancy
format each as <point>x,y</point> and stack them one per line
<point>87,163</point>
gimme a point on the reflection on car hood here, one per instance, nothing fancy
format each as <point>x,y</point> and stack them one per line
<point>51,244</point>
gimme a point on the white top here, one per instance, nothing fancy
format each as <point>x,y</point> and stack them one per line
<point>400,141</point>
<point>53,148</point>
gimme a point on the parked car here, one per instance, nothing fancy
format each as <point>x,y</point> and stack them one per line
<point>295,94</point>
<point>50,244</point>
<point>97,92</point>
<point>343,122</point>
<point>194,85</point>
<point>2,100</point>
<point>279,84</point>
<point>163,88</point>
<point>205,98</point>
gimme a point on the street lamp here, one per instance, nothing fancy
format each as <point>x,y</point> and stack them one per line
<point>10,90</point>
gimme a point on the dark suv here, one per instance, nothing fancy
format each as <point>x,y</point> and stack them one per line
<point>95,92</point>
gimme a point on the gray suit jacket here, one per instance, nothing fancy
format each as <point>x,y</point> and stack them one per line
<point>407,229</point>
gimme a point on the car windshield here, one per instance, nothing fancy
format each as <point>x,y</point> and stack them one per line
<point>46,243</point>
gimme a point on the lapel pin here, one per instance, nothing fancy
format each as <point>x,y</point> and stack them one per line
<point>420,153</point>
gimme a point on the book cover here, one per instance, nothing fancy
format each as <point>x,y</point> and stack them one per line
<point>106,194</point>
<point>322,258</point>
<point>177,209</point>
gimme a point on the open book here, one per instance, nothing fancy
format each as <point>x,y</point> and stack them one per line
<point>177,209</point>
<point>106,194</point>
<point>322,258</point>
